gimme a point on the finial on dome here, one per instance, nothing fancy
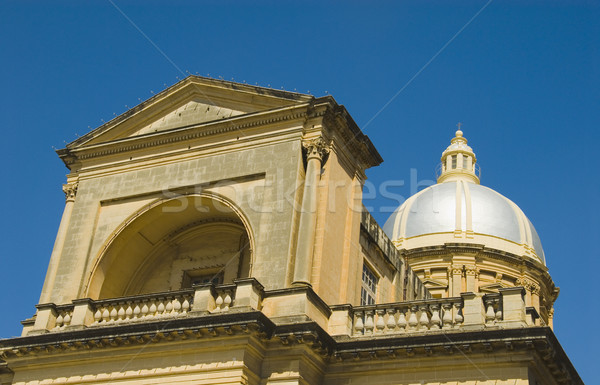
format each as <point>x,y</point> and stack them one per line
<point>459,133</point>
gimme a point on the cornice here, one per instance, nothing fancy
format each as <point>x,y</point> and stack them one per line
<point>233,323</point>
<point>478,250</point>
<point>358,144</point>
<point>538,341</point>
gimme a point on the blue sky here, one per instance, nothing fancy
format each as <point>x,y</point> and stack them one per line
<point>522,77</point>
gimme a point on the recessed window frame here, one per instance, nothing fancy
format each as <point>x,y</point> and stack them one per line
<point>368,287</point>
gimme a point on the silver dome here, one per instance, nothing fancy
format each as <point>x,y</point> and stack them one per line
<point>464,207</point>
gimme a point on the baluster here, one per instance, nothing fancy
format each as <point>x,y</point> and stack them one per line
<point>435,316</point>
<point>424,320</point>
<point>218,303</point>
<point>113,314</point>
<point>152,310</point>
<point>176,306</point>
<point>59,321</point>
<point>402,320</point>
<point>380,325</point>
<point>391,321</point>
<point>490,314</point>
<point>105,314</point>
<point>412,320</point>
<point>458,317</point>
<point>498,311</point>
<point>369,325</point>
<point>137,312</point>
<point>227,301</point>
<point>98,316</point>
<point>67,319</point>
<point>447,316</point>
<point>169,307</point>
<point>185,306</point>
<point>358,323</point>
<point>128,312</point>
<point>121,313</point>
<point>160,309</point>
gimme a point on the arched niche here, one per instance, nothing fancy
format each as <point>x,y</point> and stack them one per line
<point>171,244</point>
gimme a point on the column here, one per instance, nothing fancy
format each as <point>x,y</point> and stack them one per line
<point>70,190</point>
<point>315,151</point>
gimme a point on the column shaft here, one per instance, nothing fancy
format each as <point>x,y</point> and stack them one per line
<point>70,191</point>
<point>308,222</point>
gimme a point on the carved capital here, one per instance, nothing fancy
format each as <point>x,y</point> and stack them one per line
<point>70,190</point>
<point>471,270</point>
<point>316,148</point>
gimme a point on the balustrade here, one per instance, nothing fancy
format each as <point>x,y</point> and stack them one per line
<point>63,317</point>
<point>417,316</point>
<point>92,313</point>
<point>129,309</point>
<point>469,311</point>
<point>224,298</point>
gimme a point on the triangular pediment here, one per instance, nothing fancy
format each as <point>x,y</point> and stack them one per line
<point>190,102</point>
<point>191,113</point>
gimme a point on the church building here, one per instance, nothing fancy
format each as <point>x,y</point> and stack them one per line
<point>215,234</point>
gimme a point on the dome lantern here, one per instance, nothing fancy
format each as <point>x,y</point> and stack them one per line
<point>458,161</point>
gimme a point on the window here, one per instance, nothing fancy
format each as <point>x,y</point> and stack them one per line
<point>199,277</point>
<point>453,162</point>
<point>369,286</point>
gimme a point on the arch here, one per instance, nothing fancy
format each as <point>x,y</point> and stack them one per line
<point>170,243</point>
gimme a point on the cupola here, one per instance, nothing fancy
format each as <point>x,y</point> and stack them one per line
<point>458,161</point>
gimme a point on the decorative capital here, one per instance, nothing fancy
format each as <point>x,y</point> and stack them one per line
<point>70,190</point>
<point>316,148</point>
<point>471,270</point>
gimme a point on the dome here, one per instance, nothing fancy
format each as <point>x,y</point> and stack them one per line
<point>459,210</point>
<point>449,211</point>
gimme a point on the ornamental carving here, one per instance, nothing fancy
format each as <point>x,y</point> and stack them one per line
<point>70,190</point>
<point>316,148</point>
<point>471,270</point>
<point>529,285</point>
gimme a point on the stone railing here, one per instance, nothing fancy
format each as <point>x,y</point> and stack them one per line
<point>204,299</point>
<point>411,316</point>
<point>138,308</point>
<point>64,315</point>
<point>224,298</point>
<point>469,311</point>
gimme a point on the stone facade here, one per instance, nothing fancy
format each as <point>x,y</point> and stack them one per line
<point>215,234</point>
